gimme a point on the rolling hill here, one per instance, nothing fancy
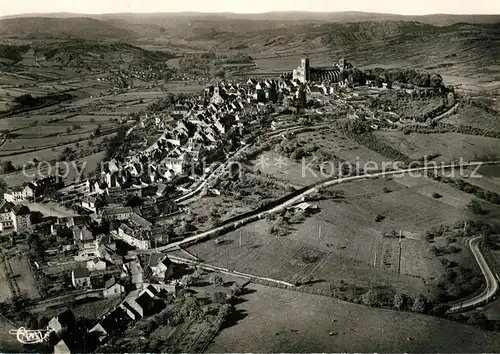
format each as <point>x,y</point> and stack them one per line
<point>445,42</point>
<point>60,28</point>
<point>162,19</point>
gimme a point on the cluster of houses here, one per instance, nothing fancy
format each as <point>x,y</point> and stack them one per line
<point>70,337</point>
<point>34,190</point>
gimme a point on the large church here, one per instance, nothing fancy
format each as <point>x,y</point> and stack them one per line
<point>305,73</point>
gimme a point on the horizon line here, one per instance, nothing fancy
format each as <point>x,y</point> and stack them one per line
<point>247,13</point>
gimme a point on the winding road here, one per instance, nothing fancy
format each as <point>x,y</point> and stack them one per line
<point>490,276</point>
<point>492,279</point>
<point>293,199</point>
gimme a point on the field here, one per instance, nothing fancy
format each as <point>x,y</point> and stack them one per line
<point>91,310</point>
<point>448,145</point>
<point>488,178</point>
<point>52,153</point>
<point>8,342</point>
<point>92,163</point>
<point>24,280</point>
<point>330,143</point>
<point>50,209</point>
<point>298,322</point>
<point>5,292</point>
<point>287,170</point>
<point>474,117</point>
<point>203,207</point>
<point>343,242</point>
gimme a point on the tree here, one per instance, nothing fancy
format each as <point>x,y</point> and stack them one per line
<point>220,73</point>
<point>219,297</point>
<point>216,280</point>
<point>3,187</point>
<point>301,99</point>
<point>133,201</point>
<point>148,273</point>
<point>400,301</point>
<point>476,207</point>
<point>236,289</point>
<point>436,80</point>
<point>224,312</point>
<point>8,167</point>
<point>370,298</point>
<point>478,319</point>
<point>420,304</point>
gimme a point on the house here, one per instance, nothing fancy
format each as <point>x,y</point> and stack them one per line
<point>62,232</point>
<point>80,278</point>
<point>113,323</point>
<point>92,203</point>
<point>217,98</point>
<point>29,191</point>
<point>61,347</point>
<point>138,238</point>
<point>41,187</point>
<point>117,213</point>
<point>100,187</point>
<point>175,164</point>
<point>87,254</point>
<point>20,215</point>
<point>133,270</point>
<point>82,235</point>
<point>96,264</point>
<point>161,266</point>
<point>65,321</point>
<point>14,195</point>
<point>143,304</point>
<point>113,288</point>
<point>161,190</point>
<point>306,207</point>
<point>5,215</point>
<point>78,220</point>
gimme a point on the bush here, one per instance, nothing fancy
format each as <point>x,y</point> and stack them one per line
<point>219,297</point>
<point>379,218</point>
<point>436,195</point>
<point>8,167</point>
<point>400,301</point>
<point>236,289</point>
<point>216,280</point>
<point>220,73</point>
<point>371,298</point>
<point>476,207</point>
<point>420,304</point>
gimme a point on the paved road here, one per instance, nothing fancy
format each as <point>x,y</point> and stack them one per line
<point>490,276</point>
<point>295,199</point>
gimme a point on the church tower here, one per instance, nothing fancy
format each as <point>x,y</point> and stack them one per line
<point>304,65</point>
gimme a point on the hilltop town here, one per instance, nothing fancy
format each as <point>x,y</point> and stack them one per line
<point>163,203</point>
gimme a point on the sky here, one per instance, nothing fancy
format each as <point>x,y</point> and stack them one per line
<point>404,7</point>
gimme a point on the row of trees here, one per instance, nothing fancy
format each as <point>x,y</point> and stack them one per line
<point>469,188</point>
<point>405,76</point>
<point>400,301</point>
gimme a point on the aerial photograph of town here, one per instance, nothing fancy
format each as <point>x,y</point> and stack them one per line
<point>283,176</point>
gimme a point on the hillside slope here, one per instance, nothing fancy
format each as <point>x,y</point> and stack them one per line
<point>57,28</point>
